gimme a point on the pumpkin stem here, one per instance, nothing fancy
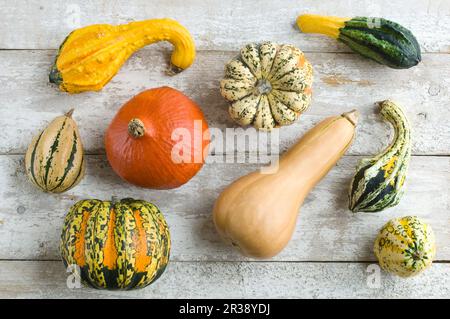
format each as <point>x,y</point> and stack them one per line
<point>136,128</point>
<point>114,200</point>
<point>69,114</point>
<point>263,86</point>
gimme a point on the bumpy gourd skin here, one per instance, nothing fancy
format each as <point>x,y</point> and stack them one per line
<point>89,57</point>
<point>381,40</point>
<point>405,246</point>
<point>378,181</point>
<point>116,245</point>
<point>268,85</point>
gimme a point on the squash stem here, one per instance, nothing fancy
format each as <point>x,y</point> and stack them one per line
<point>351,116</point>
<point>69,114</point>
<point>173,69</point>
<point>136,128</point>
<point>327,25</point>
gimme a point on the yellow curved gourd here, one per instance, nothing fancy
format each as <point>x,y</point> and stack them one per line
<point>258,212</point>
<point>89,57</point>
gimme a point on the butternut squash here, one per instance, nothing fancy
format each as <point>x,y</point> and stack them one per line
<point>257,213</point>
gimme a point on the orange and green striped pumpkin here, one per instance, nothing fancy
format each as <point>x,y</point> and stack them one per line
<point>116,245</point>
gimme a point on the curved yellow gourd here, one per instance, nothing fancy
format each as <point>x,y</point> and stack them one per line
<point>89,57</point>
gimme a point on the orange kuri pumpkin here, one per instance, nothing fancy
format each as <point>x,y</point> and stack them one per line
<point>159,139</point>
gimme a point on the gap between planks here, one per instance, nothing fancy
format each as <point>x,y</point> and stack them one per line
<point>241,261</point>
<point>242,153</point>
<point>228,50</point>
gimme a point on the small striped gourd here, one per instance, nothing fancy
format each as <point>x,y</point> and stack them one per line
<point>268,85</point>
<point>116,245</point>
<point>54,160</point>
<point>381,40</point>
<point>405,246</point>
<point>378,181</point>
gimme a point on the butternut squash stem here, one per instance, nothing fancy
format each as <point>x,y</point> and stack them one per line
<point>136,128</point>
<point>351,116</point>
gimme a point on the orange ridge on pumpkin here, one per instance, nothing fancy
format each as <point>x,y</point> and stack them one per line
<point>110,249</point>
<point>79,254</point>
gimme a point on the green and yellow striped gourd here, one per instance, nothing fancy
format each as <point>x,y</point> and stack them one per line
<point>378,181</point>
<point>116,245</point>
<point>405,246</point>
<point>381,40</point>
<point>54,160</point>
<point>268,85</point>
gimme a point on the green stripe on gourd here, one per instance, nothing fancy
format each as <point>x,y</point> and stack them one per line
<point>381,40</point>
<point>116,245</point>
<point>378,181</point>
<point>52,151</point>
<point>405,246</point>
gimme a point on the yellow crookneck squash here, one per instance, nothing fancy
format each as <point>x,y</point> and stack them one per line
<point>257,213</point>
<point>90,56</point>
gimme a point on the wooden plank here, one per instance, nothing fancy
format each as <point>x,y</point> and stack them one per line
<point>47,279</point>
<point>342,82</point>
<point>30,220</point>
<point>218,25</point>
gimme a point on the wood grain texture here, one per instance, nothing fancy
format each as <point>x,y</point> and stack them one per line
<point>342,82</point>
<point>47,279</point>
<point>219,25</point>
<point>328,253</point>
<point>30,220</point>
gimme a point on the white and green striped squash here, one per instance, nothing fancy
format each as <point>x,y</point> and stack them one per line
<point>54,160</point>
<point>405,246</point>
<point>267,85</point>
<point>378,181</point>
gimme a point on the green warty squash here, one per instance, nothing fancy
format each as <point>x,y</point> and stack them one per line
<point>405,246</point>
<point>116,245</point>
<point>268,85</point>
<point>378,181</point>
<point>381,40</point>
<point>54,160</point>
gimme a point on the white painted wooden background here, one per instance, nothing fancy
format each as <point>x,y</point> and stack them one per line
<point>331,248</point>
